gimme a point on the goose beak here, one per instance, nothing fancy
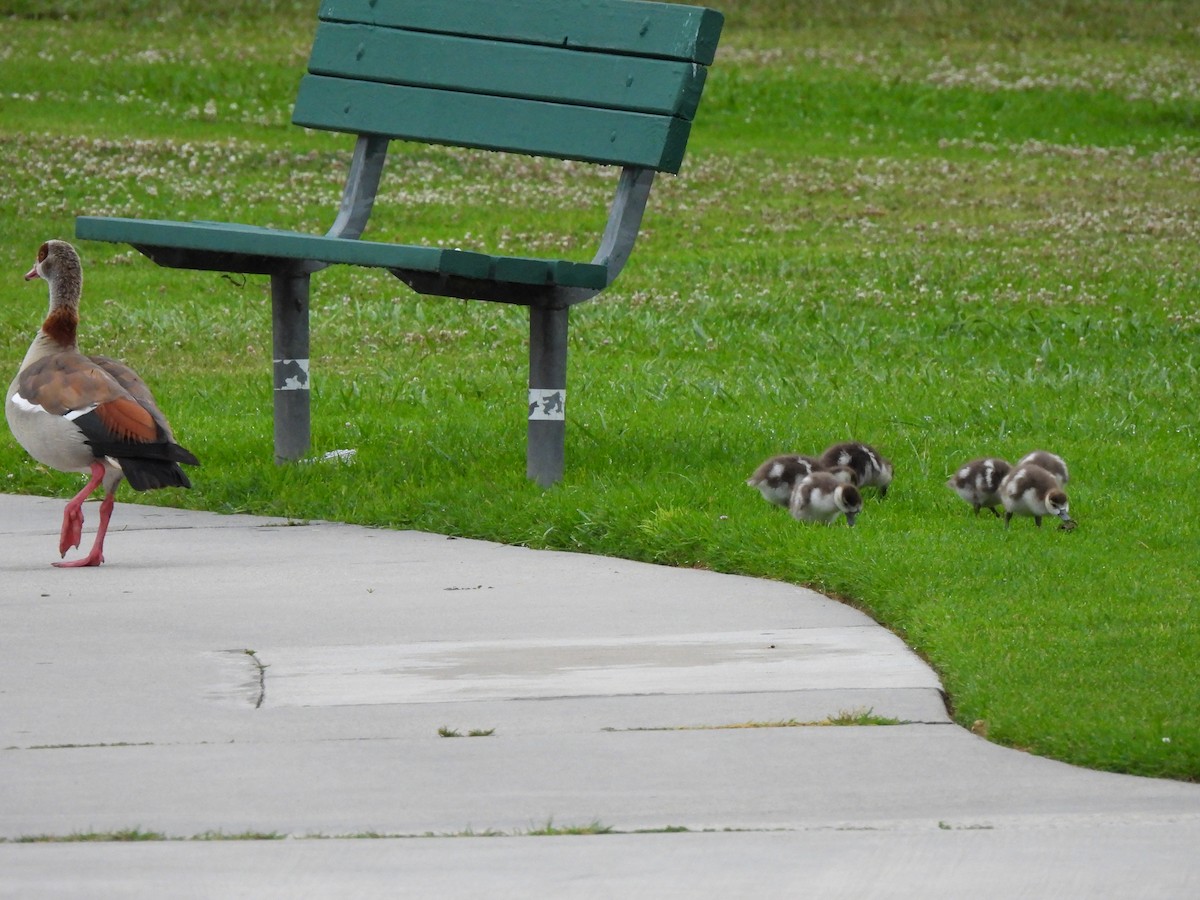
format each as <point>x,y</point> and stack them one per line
<point>32,274</point>
<point>850,517</point>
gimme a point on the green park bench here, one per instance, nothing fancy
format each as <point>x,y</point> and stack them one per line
<point>610,82</point>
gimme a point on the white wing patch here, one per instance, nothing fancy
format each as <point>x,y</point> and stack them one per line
<point>24,405</point>
<point>76,413</point>
<point>29,406</point>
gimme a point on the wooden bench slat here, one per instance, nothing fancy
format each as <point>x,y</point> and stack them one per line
<point>256,241</point>
<point>523,270</point>
<point>666,30</point>
<point>466,263</point>
<point>504,68</point>
<point>605,136</point>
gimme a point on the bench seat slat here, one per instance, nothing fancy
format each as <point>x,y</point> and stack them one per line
<point>666,30</point>
<point>504,68</point>
<point>604,136</point>
<point>255,241</point>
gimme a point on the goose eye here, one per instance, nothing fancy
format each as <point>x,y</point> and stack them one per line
<point>43,252</point>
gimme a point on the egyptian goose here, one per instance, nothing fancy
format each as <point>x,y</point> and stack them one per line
<point>88,414</point>
<point>873,470</point>
<point>1030,490</point>
<point>822,497</point>
<point>776,477</point>
<point>1051,462</point>
<point>978,482</point>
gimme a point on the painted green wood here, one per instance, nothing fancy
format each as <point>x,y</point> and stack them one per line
<point>569,273</point>
<point>605,136</point>
<point>667,30</point>
<point>250,240</point>
<point>504,68</point>
<point>467,264</point>
<point>523,270</point>
<point>612,82</point>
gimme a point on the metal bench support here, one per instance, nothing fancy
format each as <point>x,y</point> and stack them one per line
<point>545,451</point>
<point>289,345</point>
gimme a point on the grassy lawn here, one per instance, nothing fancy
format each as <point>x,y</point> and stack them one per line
<point>943,228</point>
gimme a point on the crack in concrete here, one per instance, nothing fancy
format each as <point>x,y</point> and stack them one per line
<point>261,668</point>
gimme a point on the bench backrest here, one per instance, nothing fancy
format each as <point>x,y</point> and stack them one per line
<point>607,81</point>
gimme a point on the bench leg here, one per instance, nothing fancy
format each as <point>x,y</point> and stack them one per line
<point>547,394</point>
<point>289,344</point>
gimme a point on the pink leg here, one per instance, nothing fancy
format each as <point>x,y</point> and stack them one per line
<point>96,555</point>
<point>72,526</point>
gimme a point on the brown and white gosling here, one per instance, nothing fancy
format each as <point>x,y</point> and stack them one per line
<point>777,476</point>
<point>821,497</point>
<point>1030,490</point>
<point>1051,462</point>
<point>844,474</point>
<point>873,470</point>
<point>978,482</point>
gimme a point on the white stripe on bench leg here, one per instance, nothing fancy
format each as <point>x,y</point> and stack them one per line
<point>547,404</point>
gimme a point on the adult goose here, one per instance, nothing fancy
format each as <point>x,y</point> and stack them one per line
<point>88,414</point>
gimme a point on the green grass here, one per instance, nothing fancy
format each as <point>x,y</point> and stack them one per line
<point>860,717</point>
<point>447,732</point>
<point>944,228</point>
<point>136,835</point>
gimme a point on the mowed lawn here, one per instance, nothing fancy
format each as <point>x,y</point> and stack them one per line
<point>944,229</point>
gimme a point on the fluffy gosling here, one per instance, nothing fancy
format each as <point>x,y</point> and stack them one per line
<point>1051,462</point>
<point>821,497</point>
<point>777,476</point>
<point>978,482</point>
<point>873,470</point>
<point>1030,490</point>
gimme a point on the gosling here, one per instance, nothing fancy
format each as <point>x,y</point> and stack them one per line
<point>821,497</point>
<point>1051,462</point>
<point>978,482</point>
<point>777,476</point>
<point>1030,490</point>
<point>873,470</point>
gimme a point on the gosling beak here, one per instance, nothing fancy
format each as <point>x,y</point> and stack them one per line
<point>850,517</point>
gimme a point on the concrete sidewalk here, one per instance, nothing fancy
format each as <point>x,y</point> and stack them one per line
<point>234,674</point>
